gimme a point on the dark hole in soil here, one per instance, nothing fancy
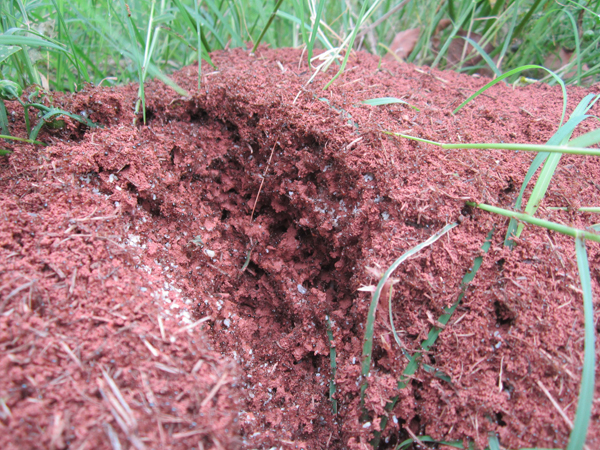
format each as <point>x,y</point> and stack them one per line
<point>499,419</point>
<point>504,315</point>
<point>152,206</point>
<point>466,211</point>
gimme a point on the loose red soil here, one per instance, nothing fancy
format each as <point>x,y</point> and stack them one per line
<point>130,313</point>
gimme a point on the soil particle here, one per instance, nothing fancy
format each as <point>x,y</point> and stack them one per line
<point>169,284</point>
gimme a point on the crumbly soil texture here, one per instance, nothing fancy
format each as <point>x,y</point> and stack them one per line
<point>188,282</point>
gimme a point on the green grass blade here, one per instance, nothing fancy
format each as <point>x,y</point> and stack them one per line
<point>7,50</point>
<point>586,390</point>
<point>493,442</point>
<point>52,112</point>
<point>294,19</point>
<point>29,141</point>
<point>547,172</point>
<point>315,30</point>
<point>577,45</point>
<point>3,119</point>
<point>558,227</point>
<point>526,17</point>
<point>556,149</point>
<point>64,31</point>
<point>235,37</point>
<point>465,15</point>
<point>560,136</point>
<point>273,14</point>
<point>513,72</point>
<point>383,101</point>
<point>484,55</point>
<point>195,20</point>
<point>350,45</point>
<point>369,330</point>
<point>414,361</point>
<point>30,42</point>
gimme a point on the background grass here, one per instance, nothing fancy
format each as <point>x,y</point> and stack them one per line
<point>60,44</point>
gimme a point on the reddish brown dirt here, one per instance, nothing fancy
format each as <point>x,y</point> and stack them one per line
<point>126,315</point>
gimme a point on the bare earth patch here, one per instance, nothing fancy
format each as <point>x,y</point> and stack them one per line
<point>150,295</point>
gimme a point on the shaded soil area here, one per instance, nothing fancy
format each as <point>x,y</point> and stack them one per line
<point>171,285</point>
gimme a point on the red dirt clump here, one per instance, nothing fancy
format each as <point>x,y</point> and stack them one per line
<point>168,285</point>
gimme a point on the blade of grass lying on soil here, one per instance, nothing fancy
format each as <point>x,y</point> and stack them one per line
<point>369,329</point>
<point>586,390</point>
<point>513,72</point>
<point>516,147</point>
<point>414,361</point>
<point>383,101</point>
<point>332,358</point>
<point>558,227</point>
<point>386,101</point>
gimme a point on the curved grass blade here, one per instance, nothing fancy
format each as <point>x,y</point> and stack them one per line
<point>195,20</point>
<point>273,14</point>
<point>484,55</point>
<point>368,340</point>
<point>513,72</point>
<point>586,390</point>
<point>30,42</point>
<point>414,361</point>
<point>52,112</point>
<point>7,50</point>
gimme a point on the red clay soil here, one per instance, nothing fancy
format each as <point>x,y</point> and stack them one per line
<point>169,285</point>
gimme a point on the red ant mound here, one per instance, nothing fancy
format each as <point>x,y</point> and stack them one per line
<point>172,284</point>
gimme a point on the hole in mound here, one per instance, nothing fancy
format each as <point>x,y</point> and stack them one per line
<point>273,281</point>
<point>504,315</point>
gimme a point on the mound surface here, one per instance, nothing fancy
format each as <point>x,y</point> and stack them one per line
<point>171,285</point>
